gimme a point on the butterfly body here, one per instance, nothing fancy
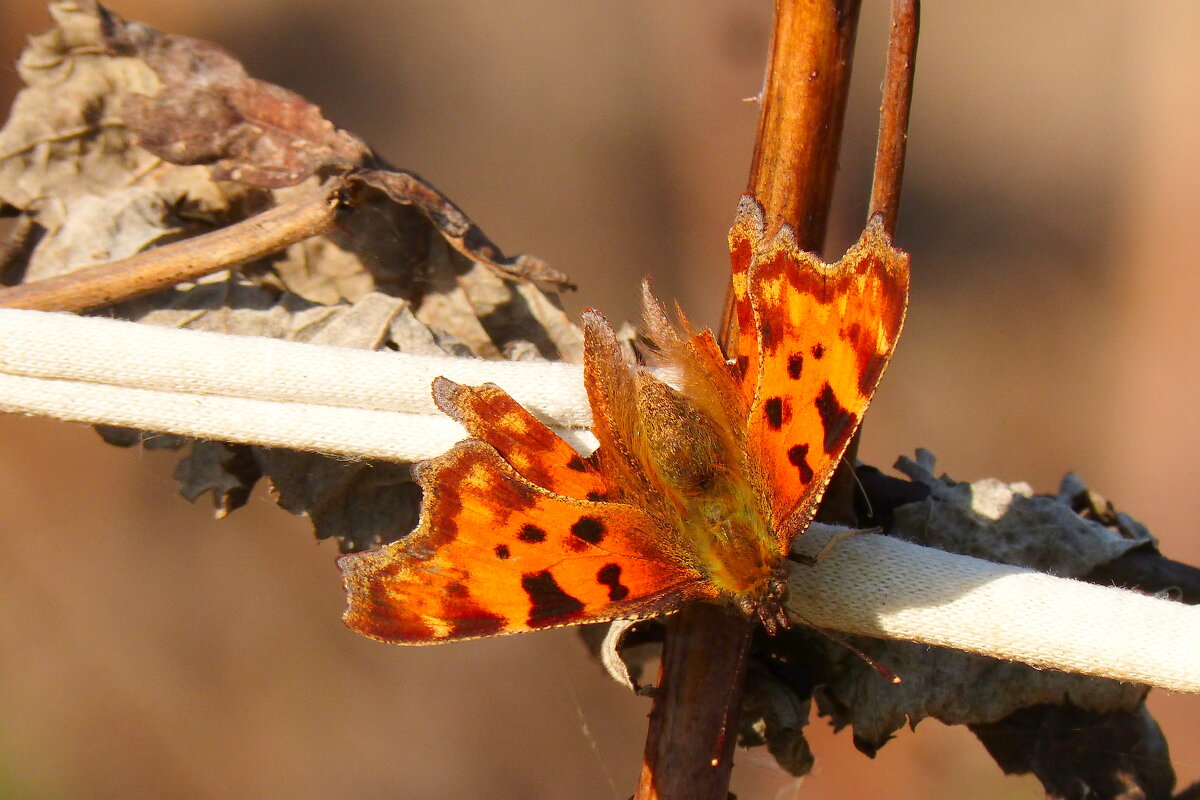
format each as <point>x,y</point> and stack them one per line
<point>701,483</point>
<point>698,485</point>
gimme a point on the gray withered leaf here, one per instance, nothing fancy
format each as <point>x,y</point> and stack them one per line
<point>126,137</point>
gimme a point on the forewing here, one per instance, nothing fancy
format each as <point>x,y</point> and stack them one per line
<point>496,554</point>
<point>825,333</point>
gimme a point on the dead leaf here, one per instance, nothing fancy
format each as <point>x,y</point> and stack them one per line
<point>207,110</point>
<point>1009,524</point>
<point>360,504</point>
<point>126,137</point>
<point>407,188</point>
<point>228,471</point>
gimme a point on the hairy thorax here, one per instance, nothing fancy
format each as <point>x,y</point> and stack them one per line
<point>702,476</point>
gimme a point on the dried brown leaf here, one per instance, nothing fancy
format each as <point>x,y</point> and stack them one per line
<point>954,687</point>
<point>1080,755</point>
<point>228,471</point>
<point>773,714</point>
<point>407,188</point>
<point>125,138</point>
<point>361,504</point>
<point>207,110</point>
<point>69,162</point>
<point>1009,524</point>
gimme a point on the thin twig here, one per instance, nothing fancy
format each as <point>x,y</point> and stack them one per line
<point>894,113</point>
<point>162,267</point>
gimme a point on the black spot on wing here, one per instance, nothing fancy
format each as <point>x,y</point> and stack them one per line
<point>610,576</point>
<point>798,458</point>
<point>548,603</point>
<point>576,463</point>
<point>795,365</point>
<point>836,420</point>
<point>589,529</point>
<point>818,351</point>
<point>502,552</point>
<point>778,412</point>
<point>472,621</point>
<point>531,534</point>
<point>769,335</point>
<point>465,617</point>
<point>597,497</point>
<point>774,411</point>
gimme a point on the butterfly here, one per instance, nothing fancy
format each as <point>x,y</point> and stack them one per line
<point>698,486</point>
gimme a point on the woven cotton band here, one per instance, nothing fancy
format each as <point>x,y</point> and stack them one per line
<point>94,350</point>
<point>881,586</point>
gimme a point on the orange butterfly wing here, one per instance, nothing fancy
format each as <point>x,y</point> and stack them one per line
<point>533,450</point>
<point>496,553</point>
<point>813,341</point>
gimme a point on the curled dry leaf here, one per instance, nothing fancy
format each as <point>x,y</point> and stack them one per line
<point>125,138</point>
<point>226,470</point>
<point>999,522</point>
<point>954,687</point>
<point>69,164</point>
<point>406,188</point>
<point>775,715</point>
<point>1008,524</point>
<point>209,111</point>
<point>1079,754</point>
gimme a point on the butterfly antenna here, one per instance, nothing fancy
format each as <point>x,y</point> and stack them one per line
<point>837,638</point>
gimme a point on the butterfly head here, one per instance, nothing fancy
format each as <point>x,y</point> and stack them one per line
<point>768,607</point>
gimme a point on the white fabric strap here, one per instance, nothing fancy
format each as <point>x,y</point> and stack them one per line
<point>880,586</point>
<point>253,390</point>
<point>37,344</point>
<point>376,405</point>
<point>346,432</point>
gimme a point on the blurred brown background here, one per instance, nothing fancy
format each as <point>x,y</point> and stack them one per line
<point>1052,193</point>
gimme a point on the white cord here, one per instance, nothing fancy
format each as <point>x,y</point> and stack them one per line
<point>358,404</point>
<point>37,344</point>
<point>254,390</point>
<point>884,587</point>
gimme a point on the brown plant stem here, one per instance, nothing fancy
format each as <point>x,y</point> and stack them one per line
<point>894,113</point>
<point>803,108</point>
<point>162,267</point>
<point>693,724</point>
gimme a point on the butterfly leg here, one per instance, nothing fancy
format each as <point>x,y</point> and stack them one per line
<point>811,561</point>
